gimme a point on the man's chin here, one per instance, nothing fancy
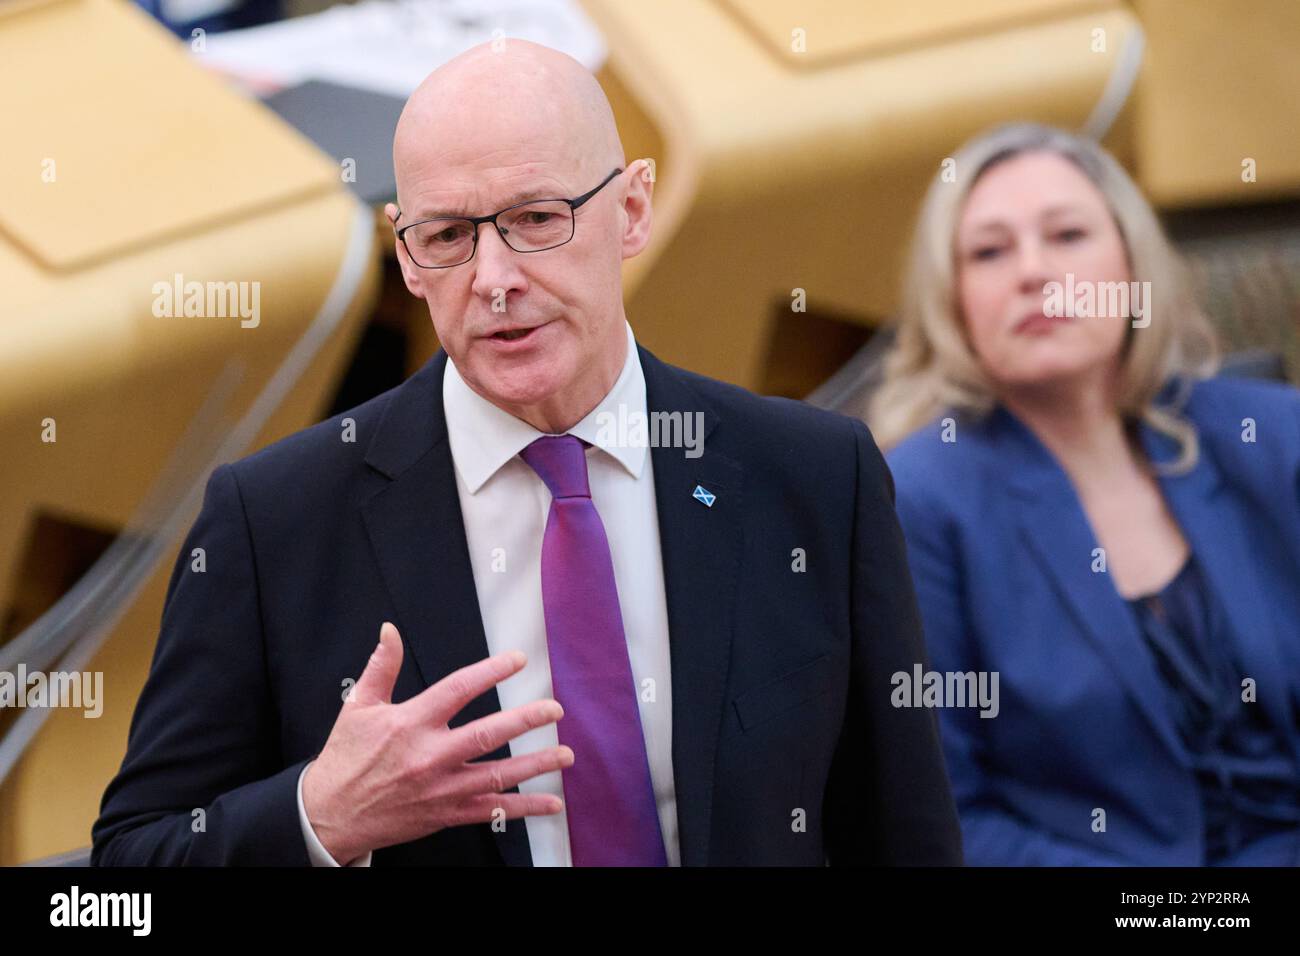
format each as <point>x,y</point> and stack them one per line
<point>519,387</point>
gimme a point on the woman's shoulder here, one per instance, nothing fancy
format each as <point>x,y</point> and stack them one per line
<point>939,467</point>
<point>1233,410</point>
<point>952,441</point>
<point>921,458</point>
<point>1229,394</point>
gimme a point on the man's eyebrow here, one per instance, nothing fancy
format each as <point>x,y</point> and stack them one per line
<point>523,195</point>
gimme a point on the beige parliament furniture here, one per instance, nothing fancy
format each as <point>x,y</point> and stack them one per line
<point>794,139</point>
<point>125,166</point>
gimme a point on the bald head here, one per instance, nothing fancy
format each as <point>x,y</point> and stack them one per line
<point>512,104</point>
<point>540,333</point>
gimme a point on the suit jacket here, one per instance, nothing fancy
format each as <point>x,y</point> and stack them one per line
<point>1002,556</point>
<point>786,749</point>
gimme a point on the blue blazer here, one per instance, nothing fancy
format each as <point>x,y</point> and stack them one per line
<point>1002,554</point>
<point>785,748</point>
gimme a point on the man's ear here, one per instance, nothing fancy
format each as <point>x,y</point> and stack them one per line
<point>637,207</point>
<point>410,272</point>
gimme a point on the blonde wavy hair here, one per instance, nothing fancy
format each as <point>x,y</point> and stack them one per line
<point>932,369</point>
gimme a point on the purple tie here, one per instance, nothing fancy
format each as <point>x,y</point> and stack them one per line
<point>608,795</point>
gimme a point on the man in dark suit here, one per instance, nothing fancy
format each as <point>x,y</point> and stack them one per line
<point>628,615</point>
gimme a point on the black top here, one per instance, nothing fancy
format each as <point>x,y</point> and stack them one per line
<point>1248,781</point>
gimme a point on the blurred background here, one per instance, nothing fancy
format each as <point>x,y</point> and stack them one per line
<point>243,148</point>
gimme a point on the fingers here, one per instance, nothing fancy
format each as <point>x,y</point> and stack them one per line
<point>509,806</point>
<point>440,702</point>
<point>495,776</point>
<point>486,734</point>
<point>377,680</point>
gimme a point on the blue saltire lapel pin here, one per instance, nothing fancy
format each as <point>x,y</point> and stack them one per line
<point>700,494</point>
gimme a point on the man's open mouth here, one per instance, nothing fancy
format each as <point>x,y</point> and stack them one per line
<point>510,335</point>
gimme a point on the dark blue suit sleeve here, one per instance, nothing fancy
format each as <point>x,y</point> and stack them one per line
<point>203,782</point>
<point>888,800</point>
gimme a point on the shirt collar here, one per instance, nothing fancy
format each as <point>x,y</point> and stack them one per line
<point>484,437</point>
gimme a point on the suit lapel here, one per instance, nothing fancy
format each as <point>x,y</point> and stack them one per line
<point>701,547</point>
<point>418,536</point>
<point>1212,523</point>
<point>1053,526</point>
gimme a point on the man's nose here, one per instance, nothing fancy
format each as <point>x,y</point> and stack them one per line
<point>496,265</point>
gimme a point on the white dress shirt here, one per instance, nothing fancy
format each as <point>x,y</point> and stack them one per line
<point>504,505</point>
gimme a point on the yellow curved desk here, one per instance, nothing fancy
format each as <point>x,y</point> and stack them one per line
<point>796,161</point>
<point>124,166</point>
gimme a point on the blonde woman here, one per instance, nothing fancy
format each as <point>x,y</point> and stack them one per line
<point>1097,520</point>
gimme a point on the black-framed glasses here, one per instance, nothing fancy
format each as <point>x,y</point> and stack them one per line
<point>532,226</point>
